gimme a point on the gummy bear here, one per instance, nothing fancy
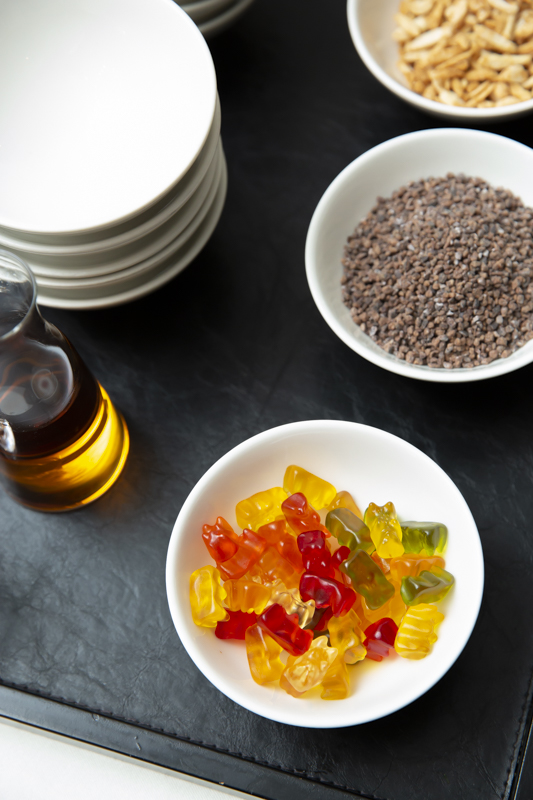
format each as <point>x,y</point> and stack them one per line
<point>263,655</point>
<point>245,595</point>
<point>207,596</point>
<point>413,564</point>
<point>424,537</point>
<point>367,579</point>
<point>346,635</point>
<point>300,516</point>
<point>319,493</point>
<point>345,500</point>
<point>336,681</point>
<point>349,530</point>
<point>284,629</point>
<point>236,626</point>
<point>380,638</point>
<point>428,587</point>
<point>260,509</point>
<point>417,629</point>
<point>308,670</point>
<point>384,529</point>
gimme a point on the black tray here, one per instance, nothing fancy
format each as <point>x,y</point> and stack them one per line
<point>231,347</point>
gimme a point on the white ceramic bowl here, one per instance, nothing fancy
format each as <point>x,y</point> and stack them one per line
<point>136,286</point>
<point>371,24</point>
<point>99,245</point>
<point>108,104</point>
<point>379,172</point>
<point>145,266</point>
<point>374,466</point>
<point>94,266</point>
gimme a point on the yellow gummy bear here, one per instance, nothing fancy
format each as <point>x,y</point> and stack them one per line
<point>290,600</point>
<point>345,500</point>
<point>336,683</point>
<point>263,655</point>
<point>260,509</point>
<point>206,596</point>
<point>307,671</point>
<point>385,530</point>
<point>416,633</point>
<point>346,635</point>
<point>247,596</point>
<point>319,493</point>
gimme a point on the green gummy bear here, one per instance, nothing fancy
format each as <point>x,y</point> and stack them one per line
<point>428,587</point>
<point>349,530</point>
<point>367,579</point>
<point>424,537</point>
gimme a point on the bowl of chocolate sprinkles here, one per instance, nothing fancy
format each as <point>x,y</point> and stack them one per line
<point>420,255</point>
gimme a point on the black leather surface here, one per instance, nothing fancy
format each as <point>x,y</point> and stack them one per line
<point>232,347</point>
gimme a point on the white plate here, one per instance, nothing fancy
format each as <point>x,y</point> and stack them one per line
<point>138,271</point>
<point>222,21</point>
<point>164,273</point>
<point>371,24</point>
<point>135,228</point>
<point>101,264</point>
<point>379,172</point>
<point>107,105</point>
<point>204,10</point>
<point>375,467</point>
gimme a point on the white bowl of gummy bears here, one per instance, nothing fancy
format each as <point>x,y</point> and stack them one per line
<point>374,467</point>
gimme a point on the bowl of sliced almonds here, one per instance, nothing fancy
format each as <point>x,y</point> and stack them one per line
<point>457,59</point>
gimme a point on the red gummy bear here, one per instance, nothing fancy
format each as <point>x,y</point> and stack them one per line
<point>380,638</point>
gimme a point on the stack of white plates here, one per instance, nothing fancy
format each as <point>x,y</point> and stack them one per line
<point>112,171</point>
<point>214,16</point>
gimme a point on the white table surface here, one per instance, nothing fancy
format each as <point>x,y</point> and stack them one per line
<point>37,765</point>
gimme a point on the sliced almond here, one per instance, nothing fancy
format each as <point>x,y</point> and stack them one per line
<point>450,98</point>
<point>450,73</point>
<point>457,58</point>
<point>499,90</point>
<point>496,40</point>
<point>497,61</point>
<point>514,74</point>
<point>412,58</point>
<point>430,92</point>
<point>524,25</point>
<point>429,38</point>
<point>508,30</point>
<point>519,92</point>
<point>408,24</point>
<point>483,91</point>
<point>434,18</point>
<point>502,5</point>
<point>456,13</point>
<point>482,74</point>
<point>526,47</point>
<point>506,101</point>
<point>417,7</point>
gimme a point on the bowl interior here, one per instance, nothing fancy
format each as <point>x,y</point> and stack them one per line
<point>376,26</point>
<point>373,466</point>
<point>379,172</point>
